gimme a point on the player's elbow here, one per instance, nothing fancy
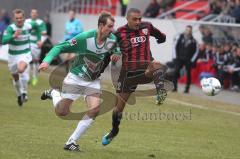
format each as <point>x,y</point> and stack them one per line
<point>162,39</point>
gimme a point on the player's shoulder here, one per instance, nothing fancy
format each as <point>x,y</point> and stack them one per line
<point>39,21</point>
<point>27,25</point>
<point>112,37</point>
<point>89,33</point>
<point>86,34</point>
<point>28,20</point>
<point>121,28</point>
<point>12,26</point>
<point>145,24</point>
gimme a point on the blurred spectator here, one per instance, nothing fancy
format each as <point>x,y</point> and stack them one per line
<point>73,26</point>
<point>235,13</point>
<point>124,4</point>
<point>185,53</point>
<point>220,60</point>
<point>48,26</point>
<point>234,71</point>
<point>166,5</point>
<point>152,10</point>
<point>207,36</point>
<point>216,6</point>
<point>4,22</point>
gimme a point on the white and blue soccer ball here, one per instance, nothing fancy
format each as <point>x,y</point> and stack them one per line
<point>211,86</point>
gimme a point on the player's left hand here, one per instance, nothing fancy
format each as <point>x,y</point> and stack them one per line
<point>115,58</point>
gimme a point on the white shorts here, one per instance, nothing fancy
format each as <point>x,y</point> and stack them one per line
<point>35,51</point>
<point>74,87</point>
<point>14,60</point>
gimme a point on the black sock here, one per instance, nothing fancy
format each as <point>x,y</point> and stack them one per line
<point>116,118</point>
<point>158,79</point>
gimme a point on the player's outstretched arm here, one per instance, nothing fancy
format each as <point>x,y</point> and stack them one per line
<point>161,37</point>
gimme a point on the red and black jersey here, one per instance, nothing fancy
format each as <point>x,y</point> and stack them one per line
<point>135,45</point>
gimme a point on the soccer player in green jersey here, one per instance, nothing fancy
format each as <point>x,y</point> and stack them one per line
<point>36,43</point>
<point>91,48</point>
<point>17,36</point>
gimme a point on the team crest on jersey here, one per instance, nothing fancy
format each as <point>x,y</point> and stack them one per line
<point>73,42</point>
<point>145,31</point>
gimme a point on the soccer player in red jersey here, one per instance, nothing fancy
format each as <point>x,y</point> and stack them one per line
<point>138,65</point>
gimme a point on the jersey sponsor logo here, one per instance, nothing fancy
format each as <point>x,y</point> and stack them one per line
<point>139,39</point>
<point>92,66</point>
<point>73,42</point>
<point>145,31</point>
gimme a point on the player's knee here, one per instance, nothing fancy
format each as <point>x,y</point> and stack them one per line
<point>21,70</point>
<point>61,112</point>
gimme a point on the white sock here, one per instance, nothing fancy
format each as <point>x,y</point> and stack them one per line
<point>24,86</point>
<point>56,97</point>
<point>24,78</point>
<point>35,70</point>
<point>17,85</point>
<point>82,126</point>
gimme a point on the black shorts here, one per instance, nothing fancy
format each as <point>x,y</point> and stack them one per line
<point>129,80</point>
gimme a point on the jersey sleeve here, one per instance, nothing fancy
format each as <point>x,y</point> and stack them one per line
<point>34,25</point>
<point>76,45</point>
<point>116,50</point>
<point>42,28</point>
<point>161,37</point>
<point>7,35</point>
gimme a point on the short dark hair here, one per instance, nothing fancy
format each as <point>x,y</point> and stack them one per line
<point>104,16</point>
<point>18,11</point>
<point>133,10</point>
<point>189,26</point>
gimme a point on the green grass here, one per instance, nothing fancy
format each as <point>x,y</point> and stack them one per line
<point>34,132</point>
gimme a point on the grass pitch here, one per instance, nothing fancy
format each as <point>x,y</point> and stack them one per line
<point>202,129</point>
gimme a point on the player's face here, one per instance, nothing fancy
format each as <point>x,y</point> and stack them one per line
<point>107,28</point>
<point>34,14</point>
<point>238,51</point>
<point>188,31</point>
<point>71,15</point>
<point>19,19</point>
<point>134,20</point>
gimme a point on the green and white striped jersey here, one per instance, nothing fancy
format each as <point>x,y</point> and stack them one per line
<point>37,32</point>
<point>89,62</point>
<point>20,45</point>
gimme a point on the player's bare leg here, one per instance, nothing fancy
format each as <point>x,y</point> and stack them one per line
<point>93,102</point>
<point>156,71</point>
<point>20,80</point>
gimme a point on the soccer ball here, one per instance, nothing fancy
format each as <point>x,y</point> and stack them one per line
<point>211,86</point>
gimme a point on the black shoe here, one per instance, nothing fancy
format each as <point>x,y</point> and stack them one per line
<point>174,90</point>
<point>46,94</point>
<point>71,147</point>
<point>186,91</point>
<point>20,100</point>
<point>25,97</point>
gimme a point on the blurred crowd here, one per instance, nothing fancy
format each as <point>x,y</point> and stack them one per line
<point>219,58</point>
<point>228,10</point>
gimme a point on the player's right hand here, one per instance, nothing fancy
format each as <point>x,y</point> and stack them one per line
<point>17,33</point>
<point>43,66</point>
